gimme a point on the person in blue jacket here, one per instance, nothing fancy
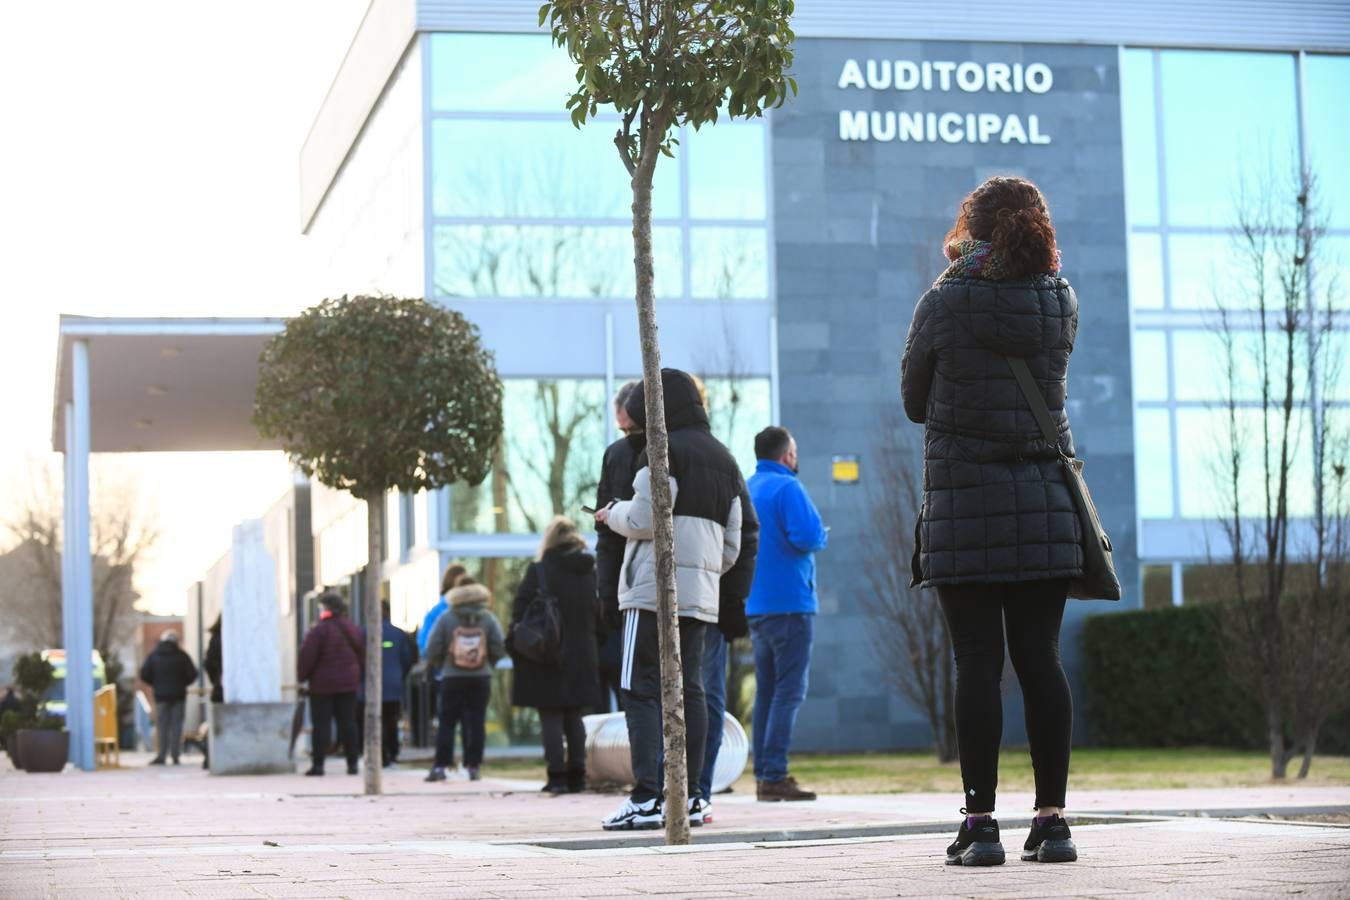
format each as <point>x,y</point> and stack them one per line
<point>397,658</point>
<point>781,608</point>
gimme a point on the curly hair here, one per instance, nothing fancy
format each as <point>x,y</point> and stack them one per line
<point>1012,215</point>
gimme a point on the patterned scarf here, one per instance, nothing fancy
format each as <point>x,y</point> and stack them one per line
<point>977,259</point>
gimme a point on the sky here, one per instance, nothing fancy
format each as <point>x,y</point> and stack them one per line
<point>149,153</point>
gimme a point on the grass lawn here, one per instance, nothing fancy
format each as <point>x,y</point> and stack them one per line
<point>886,773</point>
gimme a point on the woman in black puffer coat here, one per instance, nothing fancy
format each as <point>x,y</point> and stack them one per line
<point>997,535</point>
<point>563,692</point>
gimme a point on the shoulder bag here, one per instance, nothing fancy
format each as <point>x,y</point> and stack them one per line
<point>538,634</point>
<point>1099,579</point>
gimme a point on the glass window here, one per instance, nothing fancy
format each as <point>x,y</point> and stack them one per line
<point>1227,117</point>
<point>572,261</point>
<point>1202,361</point>
<point>1157,584</point>
<point>497,168</point>
<point>726,171</point>
<point>1326,92</point>
<point>1149,351</point>
<point>738,409</point>
<point>1153,463</point>
<point>1204,437</point>
<point>729,262</point>
<point>505,72</point>
<point>1212,269</point>
<point>1141,137</point>
<point>1336,369</point>
<point>1332,274</point>
<point>550,464</point>
<point>1146,271</point>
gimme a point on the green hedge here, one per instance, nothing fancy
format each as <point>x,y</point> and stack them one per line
<point>1157,678</point>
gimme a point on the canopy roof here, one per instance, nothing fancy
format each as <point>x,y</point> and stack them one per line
<point>165,384</point>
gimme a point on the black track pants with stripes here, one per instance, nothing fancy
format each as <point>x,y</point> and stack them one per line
<point>640,679</point>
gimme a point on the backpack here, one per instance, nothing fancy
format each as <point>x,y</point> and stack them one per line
<point>468,646</point>
<point>538,634</point>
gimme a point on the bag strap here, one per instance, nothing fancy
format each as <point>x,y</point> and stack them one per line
<point>542,568</point>
<point>1035,399</point>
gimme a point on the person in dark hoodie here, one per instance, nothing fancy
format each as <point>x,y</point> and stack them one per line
<point>169,672</point>
<point>710,497</point>
<point>562,691</point>
<point>466,643</point>
<point>332,658</point>
<point>997,535</point>
<point>397,655</point>
<point>214,662</point>
<point>617,470</point>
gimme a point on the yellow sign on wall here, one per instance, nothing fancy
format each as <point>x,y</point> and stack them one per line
<point>845,469</point>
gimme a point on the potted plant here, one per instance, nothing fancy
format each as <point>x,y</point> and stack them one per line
<point>35,740</point>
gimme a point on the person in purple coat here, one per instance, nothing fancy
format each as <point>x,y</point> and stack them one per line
<point>332,658</point>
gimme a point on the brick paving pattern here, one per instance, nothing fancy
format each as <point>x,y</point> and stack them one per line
<point>141,832</point>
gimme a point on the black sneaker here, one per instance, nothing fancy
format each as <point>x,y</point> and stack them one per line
<point>436,774</point>
<point>1049,843</point>
<point>978,846</point>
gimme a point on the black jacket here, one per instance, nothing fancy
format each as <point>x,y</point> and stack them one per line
<point>616,483</point>
<point>574,681</point>
<point>212,664</point>
<point>710,483</point>
<point>995,506</point>
<point>169,671</point>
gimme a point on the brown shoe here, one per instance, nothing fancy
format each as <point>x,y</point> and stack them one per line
<point>787,789</point>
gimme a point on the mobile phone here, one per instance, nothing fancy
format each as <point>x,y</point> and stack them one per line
<point>588,511</point>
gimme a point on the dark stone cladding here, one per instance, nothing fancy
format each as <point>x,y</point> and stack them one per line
<point>858,228</point>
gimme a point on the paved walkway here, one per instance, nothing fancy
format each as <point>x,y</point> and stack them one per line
<point>170,832</point>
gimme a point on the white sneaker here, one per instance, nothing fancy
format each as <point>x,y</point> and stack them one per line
<point>698,812</point>
<point>634,816</point>
<point>707,812</point>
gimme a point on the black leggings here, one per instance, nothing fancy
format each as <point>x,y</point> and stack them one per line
<point>975,616</point>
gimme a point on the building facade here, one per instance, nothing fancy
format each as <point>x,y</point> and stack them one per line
<point>790,251</point>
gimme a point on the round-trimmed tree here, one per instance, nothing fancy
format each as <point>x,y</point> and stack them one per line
<point>372,394</point>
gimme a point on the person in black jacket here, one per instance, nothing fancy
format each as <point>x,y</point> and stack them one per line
<point>997,534</point>
<point>564,690</point>
<point>214,663</point>
<point>169,672</point>
<point>617,470</point>
<point>709,497</point>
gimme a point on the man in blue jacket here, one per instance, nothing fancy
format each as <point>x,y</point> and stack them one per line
<point>782,608</point>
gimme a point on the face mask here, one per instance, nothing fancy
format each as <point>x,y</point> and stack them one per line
<point>325,614</point>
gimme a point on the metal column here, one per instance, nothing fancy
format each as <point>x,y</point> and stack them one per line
<point>77,588</point>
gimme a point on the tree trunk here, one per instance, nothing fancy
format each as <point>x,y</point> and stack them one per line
<point>658,461</point>
<point>1309,745</point>
<point>374,641</point>
<point>1279,755</point>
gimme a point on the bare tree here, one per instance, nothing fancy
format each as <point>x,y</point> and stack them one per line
<point>910,634</point>
<point>121,535</point>
<point>1287,623</point>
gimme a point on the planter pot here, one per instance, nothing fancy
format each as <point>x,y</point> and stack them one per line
<point>42,750</point>
<point>12,748</point>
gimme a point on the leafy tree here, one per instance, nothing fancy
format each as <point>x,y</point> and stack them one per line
<point>662,64</point>
<point>376,394</point>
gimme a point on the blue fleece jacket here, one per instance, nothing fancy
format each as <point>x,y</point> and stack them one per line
<point>790,533</point>
<point>429,623</point>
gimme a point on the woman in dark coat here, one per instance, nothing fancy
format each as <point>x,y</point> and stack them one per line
<point>562,692</point>
<point>332,658</point>
<point>997,535</point>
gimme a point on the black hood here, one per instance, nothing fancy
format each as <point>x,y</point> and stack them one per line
<point>684,406</point>
<point>571,560</point>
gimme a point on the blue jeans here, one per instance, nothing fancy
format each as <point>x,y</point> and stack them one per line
<point>782,662</point>
<point>715,690</point>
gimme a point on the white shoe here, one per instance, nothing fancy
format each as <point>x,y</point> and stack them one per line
<point>634,816</point>
<point>707,812</point>
<point>698,812</point>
